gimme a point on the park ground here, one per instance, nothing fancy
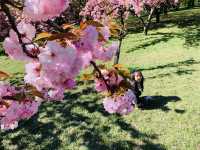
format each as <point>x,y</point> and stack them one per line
<point>169,58</point>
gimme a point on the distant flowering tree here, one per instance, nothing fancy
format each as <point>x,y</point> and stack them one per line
<point>105,10</point>
<point>151,8</point>
<point>54,57</point>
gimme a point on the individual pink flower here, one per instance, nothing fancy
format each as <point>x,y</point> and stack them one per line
<point>100,85</point>
<point>85,57</point>
<point>70,84</point>
<point>7,125</point>
<point>14,49</point>
<point>27,31</point>
<point>33,76</point>
<point>106,53</point>
<point>110,105</point>
<point>3,108</point>
<point>89,39</point>
<point>105,31</point>
<point>55,94</point>
<point>55,55</point>
<point>42,10</point>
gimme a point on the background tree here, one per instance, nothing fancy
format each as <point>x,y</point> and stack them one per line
<point>153,8</point>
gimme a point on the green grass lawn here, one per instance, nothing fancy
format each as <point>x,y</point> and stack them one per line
<point>169,58</point>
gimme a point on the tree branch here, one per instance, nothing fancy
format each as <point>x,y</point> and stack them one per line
<point>14,27</point>
<point>122,34</point>
<point>101,75</point>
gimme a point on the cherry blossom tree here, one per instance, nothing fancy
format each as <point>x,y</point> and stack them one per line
<point>54,58</point>
<point>105,10</point>
<point>153,8</point>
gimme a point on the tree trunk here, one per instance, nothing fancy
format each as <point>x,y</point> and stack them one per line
<point>190,3</point>
<point>116,58</point>
<point>145,30</point>
<point>165,10</point>
<point>146,26</point>
<point>121,35</point>
<point>157,15</point>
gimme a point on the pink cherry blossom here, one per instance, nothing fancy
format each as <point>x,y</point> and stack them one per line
<point>85,57</point>
<point>7,125</point>
<point>55,95</point>
<point>105,31</point>
<point>122,105</point>
<point>12,46</point>
<point>106,53</point>
<point>38,10</point>
<point>100,85</point>
<point>89,39</point>
<point>99,9</point>
<point>70,84</point>
<point>112,79</point>
<point>55,70</point>
<point>59,63</point>
<point>110,105</point>
<point>138,6</point>
<point>33,76</point>
<point>18,111</point>
<point>28,109</point>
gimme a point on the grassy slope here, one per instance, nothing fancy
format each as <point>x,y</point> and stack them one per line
<point>169,58</point>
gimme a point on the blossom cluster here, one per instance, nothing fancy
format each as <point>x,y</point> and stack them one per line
<point>122,100</point>
<point>121,104</point>
<point>12,111</point>
<point>38,10</point>
<point>158,3</point>
<point>103,9</point>
<point>56,66</point>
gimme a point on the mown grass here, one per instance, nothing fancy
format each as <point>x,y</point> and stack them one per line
<point>169,58</point>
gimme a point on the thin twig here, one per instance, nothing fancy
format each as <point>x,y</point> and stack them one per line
<point>100,74</point>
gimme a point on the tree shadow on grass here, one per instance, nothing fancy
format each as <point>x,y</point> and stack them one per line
<point>60,124</point>
<point>32,134</point>
<point>145,138</point>
<point>190,34</point>
<point>185,63</point>
<point>179,72</point>
<point>93,138</point>
<point>158,102</point>
<point>156,39</point>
